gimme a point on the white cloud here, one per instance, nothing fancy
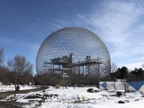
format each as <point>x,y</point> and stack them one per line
<point>116,21</point>
<point>6,40</point>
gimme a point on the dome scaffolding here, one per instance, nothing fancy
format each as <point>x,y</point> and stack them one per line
<point>73,50</point>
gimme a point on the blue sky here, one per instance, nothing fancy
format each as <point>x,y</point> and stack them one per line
<point>24,24</point>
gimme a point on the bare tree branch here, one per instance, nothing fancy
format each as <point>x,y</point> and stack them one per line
<point>21,67</point>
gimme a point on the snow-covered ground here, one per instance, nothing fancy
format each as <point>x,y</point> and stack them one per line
<point>78,98</point>
<point>4,88</point>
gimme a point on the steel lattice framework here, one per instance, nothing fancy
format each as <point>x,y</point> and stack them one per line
<point>78,41</point>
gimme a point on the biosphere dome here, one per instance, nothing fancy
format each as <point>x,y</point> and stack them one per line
<point>71,47</point>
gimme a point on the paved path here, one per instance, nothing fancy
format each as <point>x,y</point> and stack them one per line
<point>15,104</point>
<point>7,93</point>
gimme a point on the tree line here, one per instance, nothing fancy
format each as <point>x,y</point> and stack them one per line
<point>130,75</point>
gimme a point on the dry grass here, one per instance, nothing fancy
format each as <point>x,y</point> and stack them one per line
<point>57,86</point>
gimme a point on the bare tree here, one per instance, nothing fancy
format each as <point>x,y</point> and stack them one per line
<point>19,66</point>
<point>1,57</point>
<point>114,67</point>
<point>4,75</point>
<point>3,69</point>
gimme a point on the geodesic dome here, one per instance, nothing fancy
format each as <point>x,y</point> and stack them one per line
<point>78,41</point>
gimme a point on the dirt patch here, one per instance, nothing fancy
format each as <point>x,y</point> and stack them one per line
<point>8,105</point>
